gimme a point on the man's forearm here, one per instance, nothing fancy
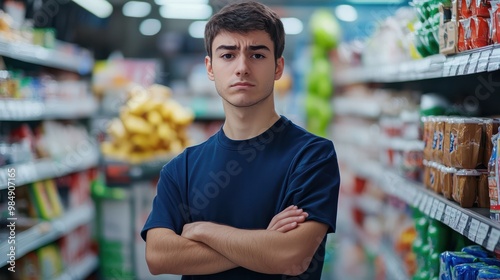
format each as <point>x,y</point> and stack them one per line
<point>168,253</point>
<point>263,251</point>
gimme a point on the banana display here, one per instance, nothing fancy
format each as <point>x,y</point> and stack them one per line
<point>150,125</point>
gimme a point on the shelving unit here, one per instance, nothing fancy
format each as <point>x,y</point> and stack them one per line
<point>81,62</point>
<point>42,169</point>
<point>474,223</point>
<point>479,60</point>
<point>84,156</point>
<point>29,110</point>
<point>48,231</point>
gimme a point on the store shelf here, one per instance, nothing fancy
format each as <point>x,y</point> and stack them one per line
<point>357,107</point>
<point>474,223</point>
<point>81,270</point>
<point>435,66</point>
<point>28,110</point>
<point>204,107</point>
<point>81,62</point>
<point>48,231</point>
<point>85,157</point>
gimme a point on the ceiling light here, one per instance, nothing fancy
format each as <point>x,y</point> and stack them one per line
<point>346,13</point>
<point>136,9</point>
<point>186,11</point>
<point>150,27</point>
<point>164,2</point>
<point>197,29</point>
<point>292,25</point>
<point>100,8</point>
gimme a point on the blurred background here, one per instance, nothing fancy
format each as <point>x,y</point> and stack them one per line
<point>97,95</point>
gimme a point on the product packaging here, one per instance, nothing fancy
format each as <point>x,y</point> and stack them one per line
<point>465,143</point>
<point>479,32</point>
<point>493,181</point>
<point>447,176</point>
<point>465,187</point>
<point>464,34</point>
<point>490,128</point>
<point>480,8</point>
<point>465,8</point>
<point>494,22</point>
<point>448,29</point>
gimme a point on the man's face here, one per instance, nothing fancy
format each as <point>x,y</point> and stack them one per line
<point>243,67</point>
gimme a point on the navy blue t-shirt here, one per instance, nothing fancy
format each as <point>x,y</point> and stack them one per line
<point>245,183</point>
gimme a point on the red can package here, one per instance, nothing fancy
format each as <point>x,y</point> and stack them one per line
<point>464,33</point>
<point>480,8</point>
<point>479,32</point>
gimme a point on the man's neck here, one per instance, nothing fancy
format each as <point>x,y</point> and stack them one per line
<point>243,124</point>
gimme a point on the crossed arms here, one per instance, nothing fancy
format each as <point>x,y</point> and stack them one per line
<point>285,247</point>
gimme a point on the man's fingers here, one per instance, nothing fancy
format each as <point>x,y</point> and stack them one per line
<point>288,220</point>
<point>287,227</point>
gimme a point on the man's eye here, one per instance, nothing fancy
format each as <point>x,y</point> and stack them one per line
<point>227,56</point>
<point>258,56</point>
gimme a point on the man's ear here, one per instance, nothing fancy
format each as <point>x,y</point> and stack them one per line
<point>280,66</point>
<point>208,65</point>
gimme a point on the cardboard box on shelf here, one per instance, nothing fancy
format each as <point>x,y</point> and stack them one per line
<point>448,31</point>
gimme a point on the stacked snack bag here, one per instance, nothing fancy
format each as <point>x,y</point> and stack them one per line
<point>471,262</point>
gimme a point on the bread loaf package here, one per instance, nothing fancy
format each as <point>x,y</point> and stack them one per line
<point>490,129</point>
<point>465,187</point>
<point>483,196</point>
<point>447,176</point>
<point>465,142</point>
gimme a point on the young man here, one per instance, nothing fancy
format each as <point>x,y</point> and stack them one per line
<point>256,200</point>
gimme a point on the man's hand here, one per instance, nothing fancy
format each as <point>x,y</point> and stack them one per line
<point>284,221</point>
<point>287,219</point>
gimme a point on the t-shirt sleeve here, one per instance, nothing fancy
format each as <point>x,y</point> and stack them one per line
<point>168,209</point>
<point>315,183</point>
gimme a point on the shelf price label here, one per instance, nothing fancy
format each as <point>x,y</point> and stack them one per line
<point>440,211</point>
<point>462,66</point>
<point>434,208</point>
<point>493,240</point>
<point>447,215</point>
<point>462,222</point>
<point>482,232</point>
<point>423,203</point>
<point>456,221</point>
<point>473,63</point>
<point>473,228</point>
<point>428,206</point>
<point>417,199</point>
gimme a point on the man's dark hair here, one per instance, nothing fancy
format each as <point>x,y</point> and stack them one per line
<point>244,17</point>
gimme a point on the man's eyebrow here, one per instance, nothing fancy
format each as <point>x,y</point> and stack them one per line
<point>259,47</point>
<point>233,47</point>
<point>226,47</point>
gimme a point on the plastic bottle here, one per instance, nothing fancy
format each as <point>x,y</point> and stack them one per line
<point>492,181</point>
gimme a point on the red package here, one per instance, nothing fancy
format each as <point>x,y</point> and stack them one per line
<point>479,29</point>
<point>464,33</point>
<point>464,8</point>
<point>495,21</point>
<point>480,8</point>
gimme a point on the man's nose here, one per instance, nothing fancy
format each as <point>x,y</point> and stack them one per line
<point>243,66</point>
